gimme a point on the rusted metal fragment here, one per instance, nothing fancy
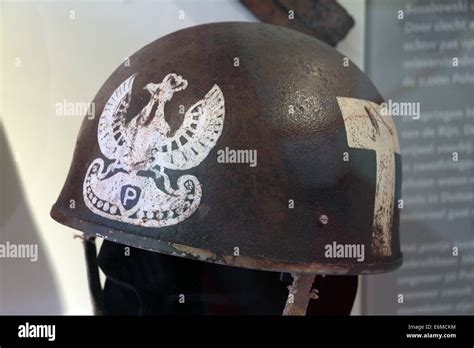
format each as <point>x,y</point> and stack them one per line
<point>299,294</point>
<point>326,20</point>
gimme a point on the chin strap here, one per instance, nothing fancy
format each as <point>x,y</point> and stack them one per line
<point>300,292</point>
<point>92,266</point>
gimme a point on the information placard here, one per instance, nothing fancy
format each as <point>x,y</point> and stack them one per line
<point>420,55</point>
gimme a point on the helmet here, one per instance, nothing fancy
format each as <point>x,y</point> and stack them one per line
<point>241,144</point>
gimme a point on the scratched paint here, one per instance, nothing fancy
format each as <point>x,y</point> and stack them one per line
<point>301,291</point>
<point>367,129</point>
<point>138,153</point>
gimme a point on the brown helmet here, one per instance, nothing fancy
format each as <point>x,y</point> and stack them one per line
<point>243,144</point>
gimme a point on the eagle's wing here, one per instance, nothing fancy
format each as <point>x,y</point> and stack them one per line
<point>111,129</point>
<point>192,142</point>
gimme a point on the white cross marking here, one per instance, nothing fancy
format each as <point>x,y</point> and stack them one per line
<point>367,129</point>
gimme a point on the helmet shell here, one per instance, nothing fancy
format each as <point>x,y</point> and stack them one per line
<point>321,195</point>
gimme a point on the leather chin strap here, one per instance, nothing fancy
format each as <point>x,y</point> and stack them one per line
<point>300,292</point>
<point>93,278</point>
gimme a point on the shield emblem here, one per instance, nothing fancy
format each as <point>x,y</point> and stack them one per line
<point>129,196</point>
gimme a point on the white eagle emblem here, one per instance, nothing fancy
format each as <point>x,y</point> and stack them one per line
<point>134,187</point>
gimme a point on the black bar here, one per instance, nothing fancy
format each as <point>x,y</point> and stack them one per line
<point>227,330</point>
